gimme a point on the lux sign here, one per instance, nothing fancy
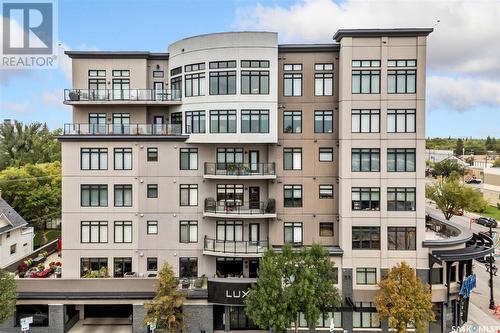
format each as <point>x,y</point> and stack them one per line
<point>237,293</point>
<point>228,291</point>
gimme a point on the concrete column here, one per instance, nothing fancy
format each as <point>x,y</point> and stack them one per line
<point>347,292</point>
<point>138,314</point>
<point>227,325</point>
<point>199,318</point>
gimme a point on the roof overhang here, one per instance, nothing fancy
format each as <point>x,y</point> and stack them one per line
<point>397,32</point>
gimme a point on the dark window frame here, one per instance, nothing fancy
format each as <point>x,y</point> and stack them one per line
<point>248,77</point>
<point>89,225</point>
<point>292,151</point>
<point>123,188</point>
<point>188,271</point>
<point>360,155</point>
<point>292,115</point>
<point>152,154</point>
<point>123,224</point>
<point>292,201</point>
<point>262,114</point>
<point>90,188</point>
<point>405,113</point>
<point>188,187</point>
<point>188,224</point>
<point>373,77</point>
<point>91,151</point>
<point>395,75</point>
<point>215,83</point>
<point>150,261</point>
<point>188,151</point>
<point>293,225</point>
<point>99,261</point>
<point>151,223</point>
<point>124,152</point>
<point>408,242</point>
<point>366,271</point>
<point>291,77</point>
<point>371,113</point>
<point>325,150</point>
<point>323,77</point>
<point>258,63</point>
<point>222,64</point>
<point>369,238</point>
<point>152,191</point>
<point>326,187</point>
<point>192,80</point>
<point>218,116</point>
<point>400,205</point>
<point>330,226</point>
<point>405,154</point>
<point>322,117</point>
<point>190,118</point>
<point>372,204</point>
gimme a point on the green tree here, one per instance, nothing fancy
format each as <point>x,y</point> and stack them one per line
<point>404,300</point>
<point>291,282</point>
<point>166,307</point>
<point>8,295</point>
<point>446,167</point>
<point>496,163</point>
<point>459,147</point>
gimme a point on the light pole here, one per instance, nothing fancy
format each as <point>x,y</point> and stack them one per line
<point>492,269</point>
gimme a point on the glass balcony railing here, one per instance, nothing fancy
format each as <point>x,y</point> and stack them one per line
<point>240,169</point>
<point>123,129</point>
<point>235,247</point>
<point>234,206</point>
<point>153,95</point>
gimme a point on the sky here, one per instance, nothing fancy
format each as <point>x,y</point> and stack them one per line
<point>463,62</point>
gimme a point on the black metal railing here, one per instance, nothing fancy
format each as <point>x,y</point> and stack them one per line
<point>122,129</point>
<point>237,247</point>
<point>160,95</point>
<point>239,169</point>
<point>234,206</point>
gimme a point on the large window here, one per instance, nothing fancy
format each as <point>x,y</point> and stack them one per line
<point>227,156</point>
<point>323,121</point>
<point>401,81</point>
<point>326,229</point>
<point>323,84</point>
<point>94,159</point>
<point>223,83</point>
<point>121,89</point>
<point>123,195</point>
<point>293,233</point>
<point>194,67</point>
<point>188,194</point>
<point>365,198</point>
<point>94,195</point>
<point>401,238</point>
<point>400,198</point>
<point>401,121</point>
<point>292,122</point>
<point>326,154</point>
<point>255,82</point>
<point>365,319</point>
<point>195,84</point>
<point>88,265</point>
<point>365,159</point>
<point>229,231</point>
<point>365,121</point>
<point>326,191</point>
<point>254,121</point>
<point>366,275</point>
<point>324,321</point>
<point>230,193</point>
<point>401,159</point>
<point>292,158</point>
<point>195,122</point>
<point>94,232</point>
<point>292,195</point>
<point>122,266</point>
<point>188,267</point>
<point>365,81</point>
<point>292,84</point>
<point>176,87</point>
<point>123,158</point>
<point>189,158</point>
<point>188,231</point>
<point>366,238</point>
<point>123,231</point>
<point>223,121</point>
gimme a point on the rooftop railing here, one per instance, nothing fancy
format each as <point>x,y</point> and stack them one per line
<point>154,95</point>
<point>122,129</point>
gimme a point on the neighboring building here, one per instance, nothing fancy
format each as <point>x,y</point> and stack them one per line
<point>491,185</point>
<point>437,155</point>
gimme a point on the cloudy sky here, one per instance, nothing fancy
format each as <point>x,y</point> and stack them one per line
<point>463,85</point>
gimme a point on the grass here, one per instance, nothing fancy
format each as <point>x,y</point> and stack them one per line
<point>491,211</point>
<point>51,235</point>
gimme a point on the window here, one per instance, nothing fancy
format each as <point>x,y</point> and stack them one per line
<point>365,319</point>
<point>152,227</point>
<point>93,158</point>
<point>97,89</point>
<point>323,121</point>
<point>365,81</point>
<point>122,266</point>
<point>254,82</point>
<point>254,121</point>
<point>222,64</point>
<point>292,85</point>
<point>366,238</point>
<point>326,154</point>
<point>152,154</point>
<point>366,63</point>
<point>366,275</point>
<point>94,232</point>
<point>222,121</point>
<point>293,233</point>
<point>230,193</point>
<point>230,231</point>
<point>227,156</point>
<point>365,159</point>
<point>292,67</point>
<point>400,198</point>
<point>194,67</point>
<point>401,238</point>
<point>123,195</point>
<point>323,84</point>
<point>123,231</point>
<point>401,160</point>
<point>176,87</point>
<point>365,198</point>
<point>121,73</point>
<point>324,321</point>
<point>255,64</point>
<point>97,72</point>
<point>97,123</point>
<point>13,248</point>
<point>121,89</point>
<point>152,190</point>
<point>223,83</point>
<point>189,158</point>
<point>123,158</point>
<point>292,158</point>
<point>402,63</point>
<point>188,232</point>
<point>401,121</point>
<point>188,195</point>
<point>365,121</point>
<point>326,191</point>
<point>292,195</point>
<point>292,122</point>
<point>152,264</point>
<point>158,74</point>
<point>323,67</point>
<point>453,273</point>
<point>401,81</point>
<point>326,229</point>
<point>88,265</point>
<point>176,71</point>
<point>195,122</point>
<point>188,267</point>
<point>436,275</point>
<point>195,84</point>
<point>94,195</point>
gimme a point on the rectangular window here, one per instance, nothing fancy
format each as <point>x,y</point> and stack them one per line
<point>176,71</point>
<point>152,227</point>
<point>365,121</point>
<point>222,121</point>
<point>436,275</point>
<point>326,154</point>
<point>123,231</point>
<point>195,122</point>
<point>365,160</point>
<point>292,85</point>
<point>401,238</point>
<point>255,64</point>
<point>323,67</point>
<point>176,87</point>
<point>402,63</point>
<point>194,67</point>
<point>326,191</point>
<point>366,238</point>
<point>366,275</point>
<point>229,231</point>
<point>97,72</point>
<point>188,267</point>
<point>324,320</point>
<point>123,195</point>
<point>366,82</point>
<point>152,154</point>
<point>189,158</point>
<point>122,266</point>
<point>123,158</point>
<point>230,194</point>
<point>401,159</point>
<point>94,195</point>
<point>97,89</point>
<point>365,319</point>
<point>152,264</point>
<point>13,248</point>
<point>323,121</point>
<point>365,198</point>
<point>400,198</point>
<point>401,121</point>
<point>292,67</point>
<point>121,89</point>
<point>195,84</point>
<point>366,63</point>
<point>326,229</point>
<point>94,232</point>
<point>292,158</point>
<point>93,158</point>
<point>121,73</point>
<point>152,190</point>
<point>293,233</point>
<point>292,195</point>
<point>292,122</point>
<point>158,74</point>
<point>401,81</point>
<point>228,156</point>
<point>254,82</point>
<point>188,195</point>
<point>223,83</point>
<point>254,121</point>
<point>88,265</point>
<point>222,64</point>
<point>323,84</point>
<point>188,232</point>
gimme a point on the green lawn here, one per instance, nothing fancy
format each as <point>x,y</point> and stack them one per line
<point>492,211</point>
<point>51,235</point>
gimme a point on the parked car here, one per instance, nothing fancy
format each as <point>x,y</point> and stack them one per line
<point>460,212</point>
<point>487,221</point>
<point>473,181</point>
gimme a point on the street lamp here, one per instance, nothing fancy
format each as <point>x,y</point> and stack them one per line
<point>492,269</point>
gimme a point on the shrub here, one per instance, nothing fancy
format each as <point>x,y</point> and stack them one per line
<point>22,267</point>
<point>43,254</point>
<point>40,267</point>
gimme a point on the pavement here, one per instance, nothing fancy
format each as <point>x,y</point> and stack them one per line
<point>82,327</point>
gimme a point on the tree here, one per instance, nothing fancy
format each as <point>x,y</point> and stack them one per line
<point>8,295</point>
<point>446,167</point>
<point>291,282</point>
<point>496,163</point>
<point>404,300</point>
<point>459,148</point>
<point>166,307</point>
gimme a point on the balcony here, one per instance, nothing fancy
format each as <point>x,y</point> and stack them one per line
<point>121,96</point>
<point>239,170</point>
<point>226,248</point>
<point>121,130</point>
<point>239,209</point>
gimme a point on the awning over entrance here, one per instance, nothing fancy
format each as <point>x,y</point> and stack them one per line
<point>478,247</point>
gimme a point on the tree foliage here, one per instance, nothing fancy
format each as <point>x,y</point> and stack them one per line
<point>404,300</point>
<point>166,307</point>
<point>496,163</point>
<point>290,282</point>
<point>447,167</point>
<point>476,146</point>
<point>8,295</point>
